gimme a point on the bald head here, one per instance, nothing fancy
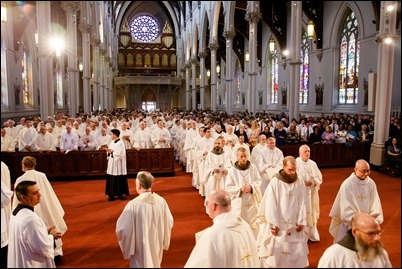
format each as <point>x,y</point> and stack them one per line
<point>220,197</point>
<point>363,221</point>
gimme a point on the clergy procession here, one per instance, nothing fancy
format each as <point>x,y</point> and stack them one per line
<point>264,206</point>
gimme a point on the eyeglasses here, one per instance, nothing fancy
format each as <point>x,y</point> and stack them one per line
<point>372,234</point>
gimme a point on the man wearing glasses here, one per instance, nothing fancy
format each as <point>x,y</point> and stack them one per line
<point>361,247</point>
<point>358,193</point>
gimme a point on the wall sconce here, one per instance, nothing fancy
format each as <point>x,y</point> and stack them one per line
<point>247,56</point>
<point>285,54</point>
<point>36,38</point>
<point>80,67</point>
<point>272,46</point>
<point>3,12</point>
<point>310,30</point>
<point>208,73</point>
<point>218,70</point>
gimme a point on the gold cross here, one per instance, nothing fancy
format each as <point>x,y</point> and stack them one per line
<point>361,197</point>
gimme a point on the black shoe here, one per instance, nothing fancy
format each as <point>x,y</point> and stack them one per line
<point>110,199</point>
<point>123,197</point>
<point>57,259</point>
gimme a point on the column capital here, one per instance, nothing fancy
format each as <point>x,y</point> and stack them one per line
<point>214,45</point>
<point>253,16</point>
<point>95,42</point>
<point>229,34</point>
<point>85,28</point>
<point>202,54</point>
<point>71,7</point>
<point>194,59</point>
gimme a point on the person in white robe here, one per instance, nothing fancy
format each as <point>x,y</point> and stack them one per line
<point>26,138</point>
<point>202,148</point>
<point>228,243</point>
<point>271,163</point>
<point>361,247</point>
<point>31,243</point>
<point>7,142</point>
<point>282,237</point>
<point>242,144</point>
<point>13,132</point>
<point>144,227</point>
<point>217,164</point>
<point>142,137</point>
<point>44,141</point>
<point>87,140</point>
<point>189,145</point>
<point>126,135</point>
<point>116,173</point>
<point>58,130</point>
<point>307,170</point>
<point>243,184</point>
<point>358,193</point>
<point>103,140</point>
<point>49,209</point>
<point>160,136</point>
<point>6,195</point>
<point>69,140</point>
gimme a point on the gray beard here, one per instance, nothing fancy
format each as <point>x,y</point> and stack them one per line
<point>366,252</point>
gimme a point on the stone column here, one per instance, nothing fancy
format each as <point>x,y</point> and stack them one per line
<point>45,60</point>
<point>86,62</point>
<point>295,62</point>
<point>229,35</point>
<point>188,95</point>
<point>194,62</point>
<point>71,8</point>
<point>202,55</point>
<point>385,71</point>
<point>213,46</point>
<point>253,16</point>
<point>96,72</point>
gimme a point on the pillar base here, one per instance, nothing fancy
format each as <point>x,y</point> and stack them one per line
<point>377,154</point>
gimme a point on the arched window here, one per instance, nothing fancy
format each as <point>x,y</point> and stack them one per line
<point>304,69</point>
<point>273,78</point>
<point>349,61</point>
<point>144,28</point>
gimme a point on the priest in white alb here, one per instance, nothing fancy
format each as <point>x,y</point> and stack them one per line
<point>243,184</point>
<point>307,170</point>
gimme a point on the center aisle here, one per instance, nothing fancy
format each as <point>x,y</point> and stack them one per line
<point>91,242</point>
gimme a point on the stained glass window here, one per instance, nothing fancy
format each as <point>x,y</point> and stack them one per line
<point>144,28</point>
<point>349,61</point>
<point>304,69</point>
<point>273,78</point>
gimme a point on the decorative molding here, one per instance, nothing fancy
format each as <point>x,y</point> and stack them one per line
<point>229,34</point>
<point>71,7</point>
<point>85,28</point>
<point>214,45</point>
<point>253,17</point>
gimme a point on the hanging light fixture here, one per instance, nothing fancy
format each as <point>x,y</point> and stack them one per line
<point>271,45</point>
<point>310,29</point>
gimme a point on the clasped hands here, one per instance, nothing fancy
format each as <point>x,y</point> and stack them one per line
<point>56,234</point>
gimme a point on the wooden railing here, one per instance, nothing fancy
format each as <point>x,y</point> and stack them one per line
<point>332,155</point>
<point>82,164</point>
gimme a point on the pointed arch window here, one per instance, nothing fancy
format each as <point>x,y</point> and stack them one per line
<point>304,69</point>
<point>349,61</point>
<point>272,97</point>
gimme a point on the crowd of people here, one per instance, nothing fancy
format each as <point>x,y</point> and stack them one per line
<point>264,203</point>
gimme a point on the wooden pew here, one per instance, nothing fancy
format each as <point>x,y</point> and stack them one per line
<point>83,164</point>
